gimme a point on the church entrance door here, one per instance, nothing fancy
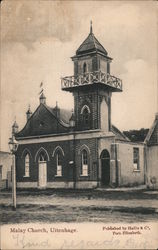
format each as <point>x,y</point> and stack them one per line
<point>42,171</point>
<point>42,174</point>
<point>105,168</point>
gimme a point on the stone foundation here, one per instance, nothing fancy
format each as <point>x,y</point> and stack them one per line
<point>79,185</point>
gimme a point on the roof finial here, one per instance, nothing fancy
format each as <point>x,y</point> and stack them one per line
<point>41,88</point>
<point>14,127</point>
<point>91,29</point>
<point>29,109</point>
<point>41,84</point>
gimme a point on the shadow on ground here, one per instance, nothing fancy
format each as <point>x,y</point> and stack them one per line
<point>93,193</point>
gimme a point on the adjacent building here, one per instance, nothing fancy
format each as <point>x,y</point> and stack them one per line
<point>151,146</point>
<point>5,169</point>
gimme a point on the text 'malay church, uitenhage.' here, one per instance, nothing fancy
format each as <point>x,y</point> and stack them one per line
<point>61,149</point>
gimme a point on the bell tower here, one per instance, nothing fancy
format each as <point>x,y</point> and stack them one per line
<point>92,85</point>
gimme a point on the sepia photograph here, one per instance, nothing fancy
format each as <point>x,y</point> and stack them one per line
<point>78,124</point>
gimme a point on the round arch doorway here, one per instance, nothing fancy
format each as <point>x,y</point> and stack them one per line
<point>105,168</point>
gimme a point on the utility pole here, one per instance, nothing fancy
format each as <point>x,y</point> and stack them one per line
<point>13,145</point>
<point>13,182</point>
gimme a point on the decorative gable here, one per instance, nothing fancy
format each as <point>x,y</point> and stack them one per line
<point>43,122</point>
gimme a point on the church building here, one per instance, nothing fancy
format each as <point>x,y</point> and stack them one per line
<point>79,149</point>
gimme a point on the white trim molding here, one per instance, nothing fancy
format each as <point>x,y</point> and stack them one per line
<point>42,149</point>
<point>27,152</point>
<point>86,184</point>
<point>58,148</point>
<point>27,184</point>
<point>69,137</point>
<point>85,106</point>
<point>84,146</point>
<point>59,184</point>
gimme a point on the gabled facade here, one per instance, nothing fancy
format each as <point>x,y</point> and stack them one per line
<point>60,149</point>
<point>45,121</point>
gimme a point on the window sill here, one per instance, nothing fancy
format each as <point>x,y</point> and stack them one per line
<point>84,175</point>
<point>26,176</point>
<point>136,170</point>
<point>58,175</point>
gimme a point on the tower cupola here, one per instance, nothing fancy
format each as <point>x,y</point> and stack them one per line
<point>91,66</point>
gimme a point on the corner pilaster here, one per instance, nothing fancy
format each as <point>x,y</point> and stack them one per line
<point>115,166</point>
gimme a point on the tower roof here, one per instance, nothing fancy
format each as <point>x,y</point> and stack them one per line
<point>91,44</point>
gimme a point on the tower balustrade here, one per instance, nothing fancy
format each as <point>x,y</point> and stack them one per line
<point>69,82</point>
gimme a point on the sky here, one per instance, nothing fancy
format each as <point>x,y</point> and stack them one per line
<point>38,39</point>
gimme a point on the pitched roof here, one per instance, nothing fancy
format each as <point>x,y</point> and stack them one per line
<point>119,135</point>
<point>152,136</point>
<point>137,135</point>
<point>91,44</point>
<point>65,114</point>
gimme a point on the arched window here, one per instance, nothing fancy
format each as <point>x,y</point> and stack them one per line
<point>27,165</point>
<point>84,68</point>
<point>59,164</point>
<point>42,153</point>
<point>42,157</point>
<point>58,148</point>
<point>84,170</point>
<point>85,116</point>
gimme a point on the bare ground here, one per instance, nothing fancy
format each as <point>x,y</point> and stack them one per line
<point>47,206</point>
